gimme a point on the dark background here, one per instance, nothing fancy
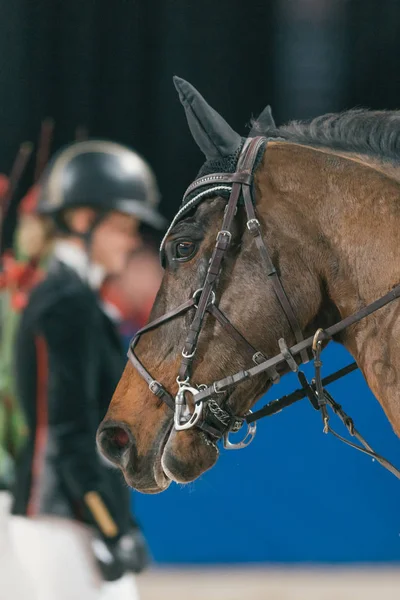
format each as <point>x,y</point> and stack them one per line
<point>294,495</point>
<point>108,65</point>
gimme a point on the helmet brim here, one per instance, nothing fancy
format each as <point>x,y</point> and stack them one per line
<point>145,213</point>
<point>136,208</point>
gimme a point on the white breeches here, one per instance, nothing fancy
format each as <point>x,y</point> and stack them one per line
<point>57,557</point>
<point>14,582</point>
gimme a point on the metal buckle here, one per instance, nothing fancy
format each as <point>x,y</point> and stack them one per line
<point>319,336</point>
<point>155,387</point>
<point>253,223</point>
<point>224,232</point>
<point>188,355</point>
<point>183,419</point>
<point>215,389</point>
<point>258,358</point>
<point>197,292</point>
<point>246,441</point>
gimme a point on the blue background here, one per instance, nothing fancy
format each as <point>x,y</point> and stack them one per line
<point>294,495</point>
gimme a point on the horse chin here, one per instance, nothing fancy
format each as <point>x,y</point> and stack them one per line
<point>155,483</point>
<point>179,456</point>
<point>149,477</point>
<point>187,455</point>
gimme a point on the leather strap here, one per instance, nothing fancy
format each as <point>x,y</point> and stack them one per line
<point>247,157</point>
<point>227,382</point>
<point>222,244</point>
<point>254,355</point>
<point>365,448</point>
<point>254,228</point>
<point>276,406</point>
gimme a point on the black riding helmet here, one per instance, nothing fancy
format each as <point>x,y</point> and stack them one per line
<point>102,175</point>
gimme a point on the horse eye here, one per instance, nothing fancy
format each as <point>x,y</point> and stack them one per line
<point>184,250</point>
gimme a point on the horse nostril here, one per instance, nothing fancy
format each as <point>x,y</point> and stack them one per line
<point>114,441</point>
<point>119,437</point>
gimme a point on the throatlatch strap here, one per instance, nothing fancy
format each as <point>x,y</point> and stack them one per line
<point>254,227</point>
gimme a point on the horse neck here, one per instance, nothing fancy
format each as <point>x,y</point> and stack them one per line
<point>346,209</point>
<point>388,168</point>
<point>348,214</point>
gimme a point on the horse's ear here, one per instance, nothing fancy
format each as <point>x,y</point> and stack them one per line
<point>211,132</point>
<point>264,123</point>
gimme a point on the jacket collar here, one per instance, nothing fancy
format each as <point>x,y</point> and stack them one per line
<point>77,259</point>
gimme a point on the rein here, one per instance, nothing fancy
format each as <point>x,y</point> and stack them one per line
<point>208,415</point>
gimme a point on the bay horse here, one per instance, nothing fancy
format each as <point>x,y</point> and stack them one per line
<point>282,235</point>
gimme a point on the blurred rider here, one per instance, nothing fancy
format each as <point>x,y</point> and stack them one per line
<point>73,528</point>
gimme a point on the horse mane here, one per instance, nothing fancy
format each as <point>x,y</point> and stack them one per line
<point>374,133</point>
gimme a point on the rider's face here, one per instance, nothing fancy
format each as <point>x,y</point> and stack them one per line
<point>113,240</point>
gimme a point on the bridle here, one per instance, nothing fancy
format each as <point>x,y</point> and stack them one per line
<point>208,415</point>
